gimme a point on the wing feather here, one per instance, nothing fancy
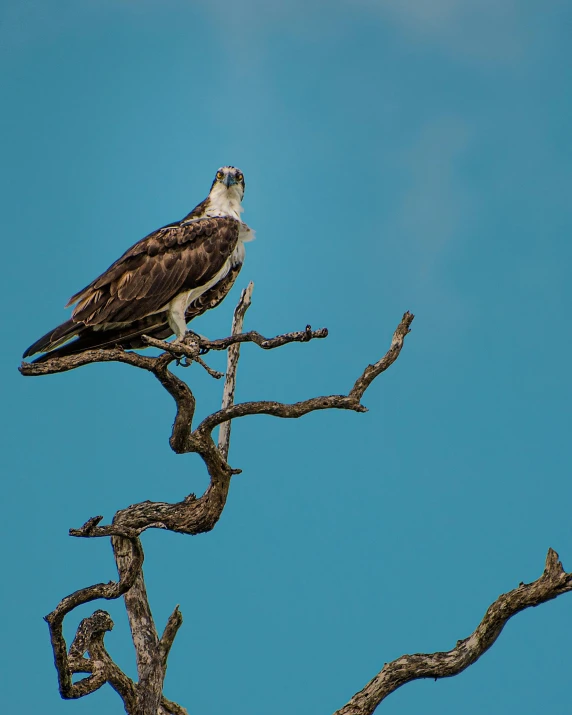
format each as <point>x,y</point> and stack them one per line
<point>128,336</point>
<point>156,269</point>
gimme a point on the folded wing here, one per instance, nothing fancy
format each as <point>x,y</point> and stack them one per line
<point>140,285</point>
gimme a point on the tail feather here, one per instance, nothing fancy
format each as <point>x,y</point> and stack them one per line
<point>128,337</point>
<point>54,338</point>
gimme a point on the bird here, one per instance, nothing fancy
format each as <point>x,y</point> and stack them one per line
<point>163,281</point>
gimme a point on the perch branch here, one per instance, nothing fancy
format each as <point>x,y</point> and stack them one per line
<point>179,350</point>
<point>195,515</point>
<point>300,336</point>
<point>553,582</point>
<point>231,366</point>
<point>118,354</point>
<point>198,515</point>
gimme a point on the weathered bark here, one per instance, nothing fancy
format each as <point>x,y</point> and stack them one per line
<point>89,637</point>
<point>192,515</point>
<point>231,366</point>
<point>553,582</point>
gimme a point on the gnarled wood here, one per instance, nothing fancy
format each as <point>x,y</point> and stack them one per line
<point>193,515</point>
<point>553,582</point>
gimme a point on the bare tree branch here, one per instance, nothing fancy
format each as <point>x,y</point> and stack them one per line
<point>197,515</point>
<point>373,371</point>
<point>90,633</point>
<point>298,409</point>
<point>301,336</point>
<point>171,628</point>
<point>118,354</point>
<point>89,638</point>
<point>150,670</point>
<point>553,582</point>
<point>146,696</point>
<point>172,708</point>
<point>192,515</point>
<point>231,366</point>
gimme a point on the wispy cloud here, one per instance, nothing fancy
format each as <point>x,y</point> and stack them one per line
<point>486,30</point>
<point>436,206</point>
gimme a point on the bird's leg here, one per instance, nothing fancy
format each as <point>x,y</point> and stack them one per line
<point>176,318</point>
<point>185,337</point>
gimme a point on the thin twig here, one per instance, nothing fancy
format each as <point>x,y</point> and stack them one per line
<point>300,336</point>
<point>174,622</point>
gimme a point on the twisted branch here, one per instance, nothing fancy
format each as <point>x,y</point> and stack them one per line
<point>190,516</point>
<point>553,582</point>
<point>90,635</point>
<point>195,515</point>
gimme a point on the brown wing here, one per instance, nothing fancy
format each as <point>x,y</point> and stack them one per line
<point>155,270</point>
<point>215,295</point>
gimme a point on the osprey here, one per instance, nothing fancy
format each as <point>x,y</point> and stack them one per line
<point>162,282</point>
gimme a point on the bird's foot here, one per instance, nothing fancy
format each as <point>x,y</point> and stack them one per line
<point>199,339</point>
<point>188,341</point>
<point>190,351</point>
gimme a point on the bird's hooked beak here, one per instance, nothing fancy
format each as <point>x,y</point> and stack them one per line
<point>229,180</point>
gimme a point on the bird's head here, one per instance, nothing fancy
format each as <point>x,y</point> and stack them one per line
<point>229,179</point>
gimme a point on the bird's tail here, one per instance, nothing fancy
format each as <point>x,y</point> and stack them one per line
<point>128,337</point>
<point>54,338</point>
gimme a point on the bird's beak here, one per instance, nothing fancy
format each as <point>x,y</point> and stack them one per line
<point>229,180</point>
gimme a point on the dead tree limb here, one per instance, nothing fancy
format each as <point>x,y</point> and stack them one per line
<point>89,637</point>
<point>231,366</point>
<point>553,582</point>
<point>195,515</point>
<point>87,653</point>
<point>190,516</point>
<point>151,658</point>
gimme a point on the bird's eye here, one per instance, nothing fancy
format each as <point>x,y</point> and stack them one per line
<point>219,175</point>
<point>239,177</point>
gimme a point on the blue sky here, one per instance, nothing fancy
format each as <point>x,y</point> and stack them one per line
<point>398,156</point>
